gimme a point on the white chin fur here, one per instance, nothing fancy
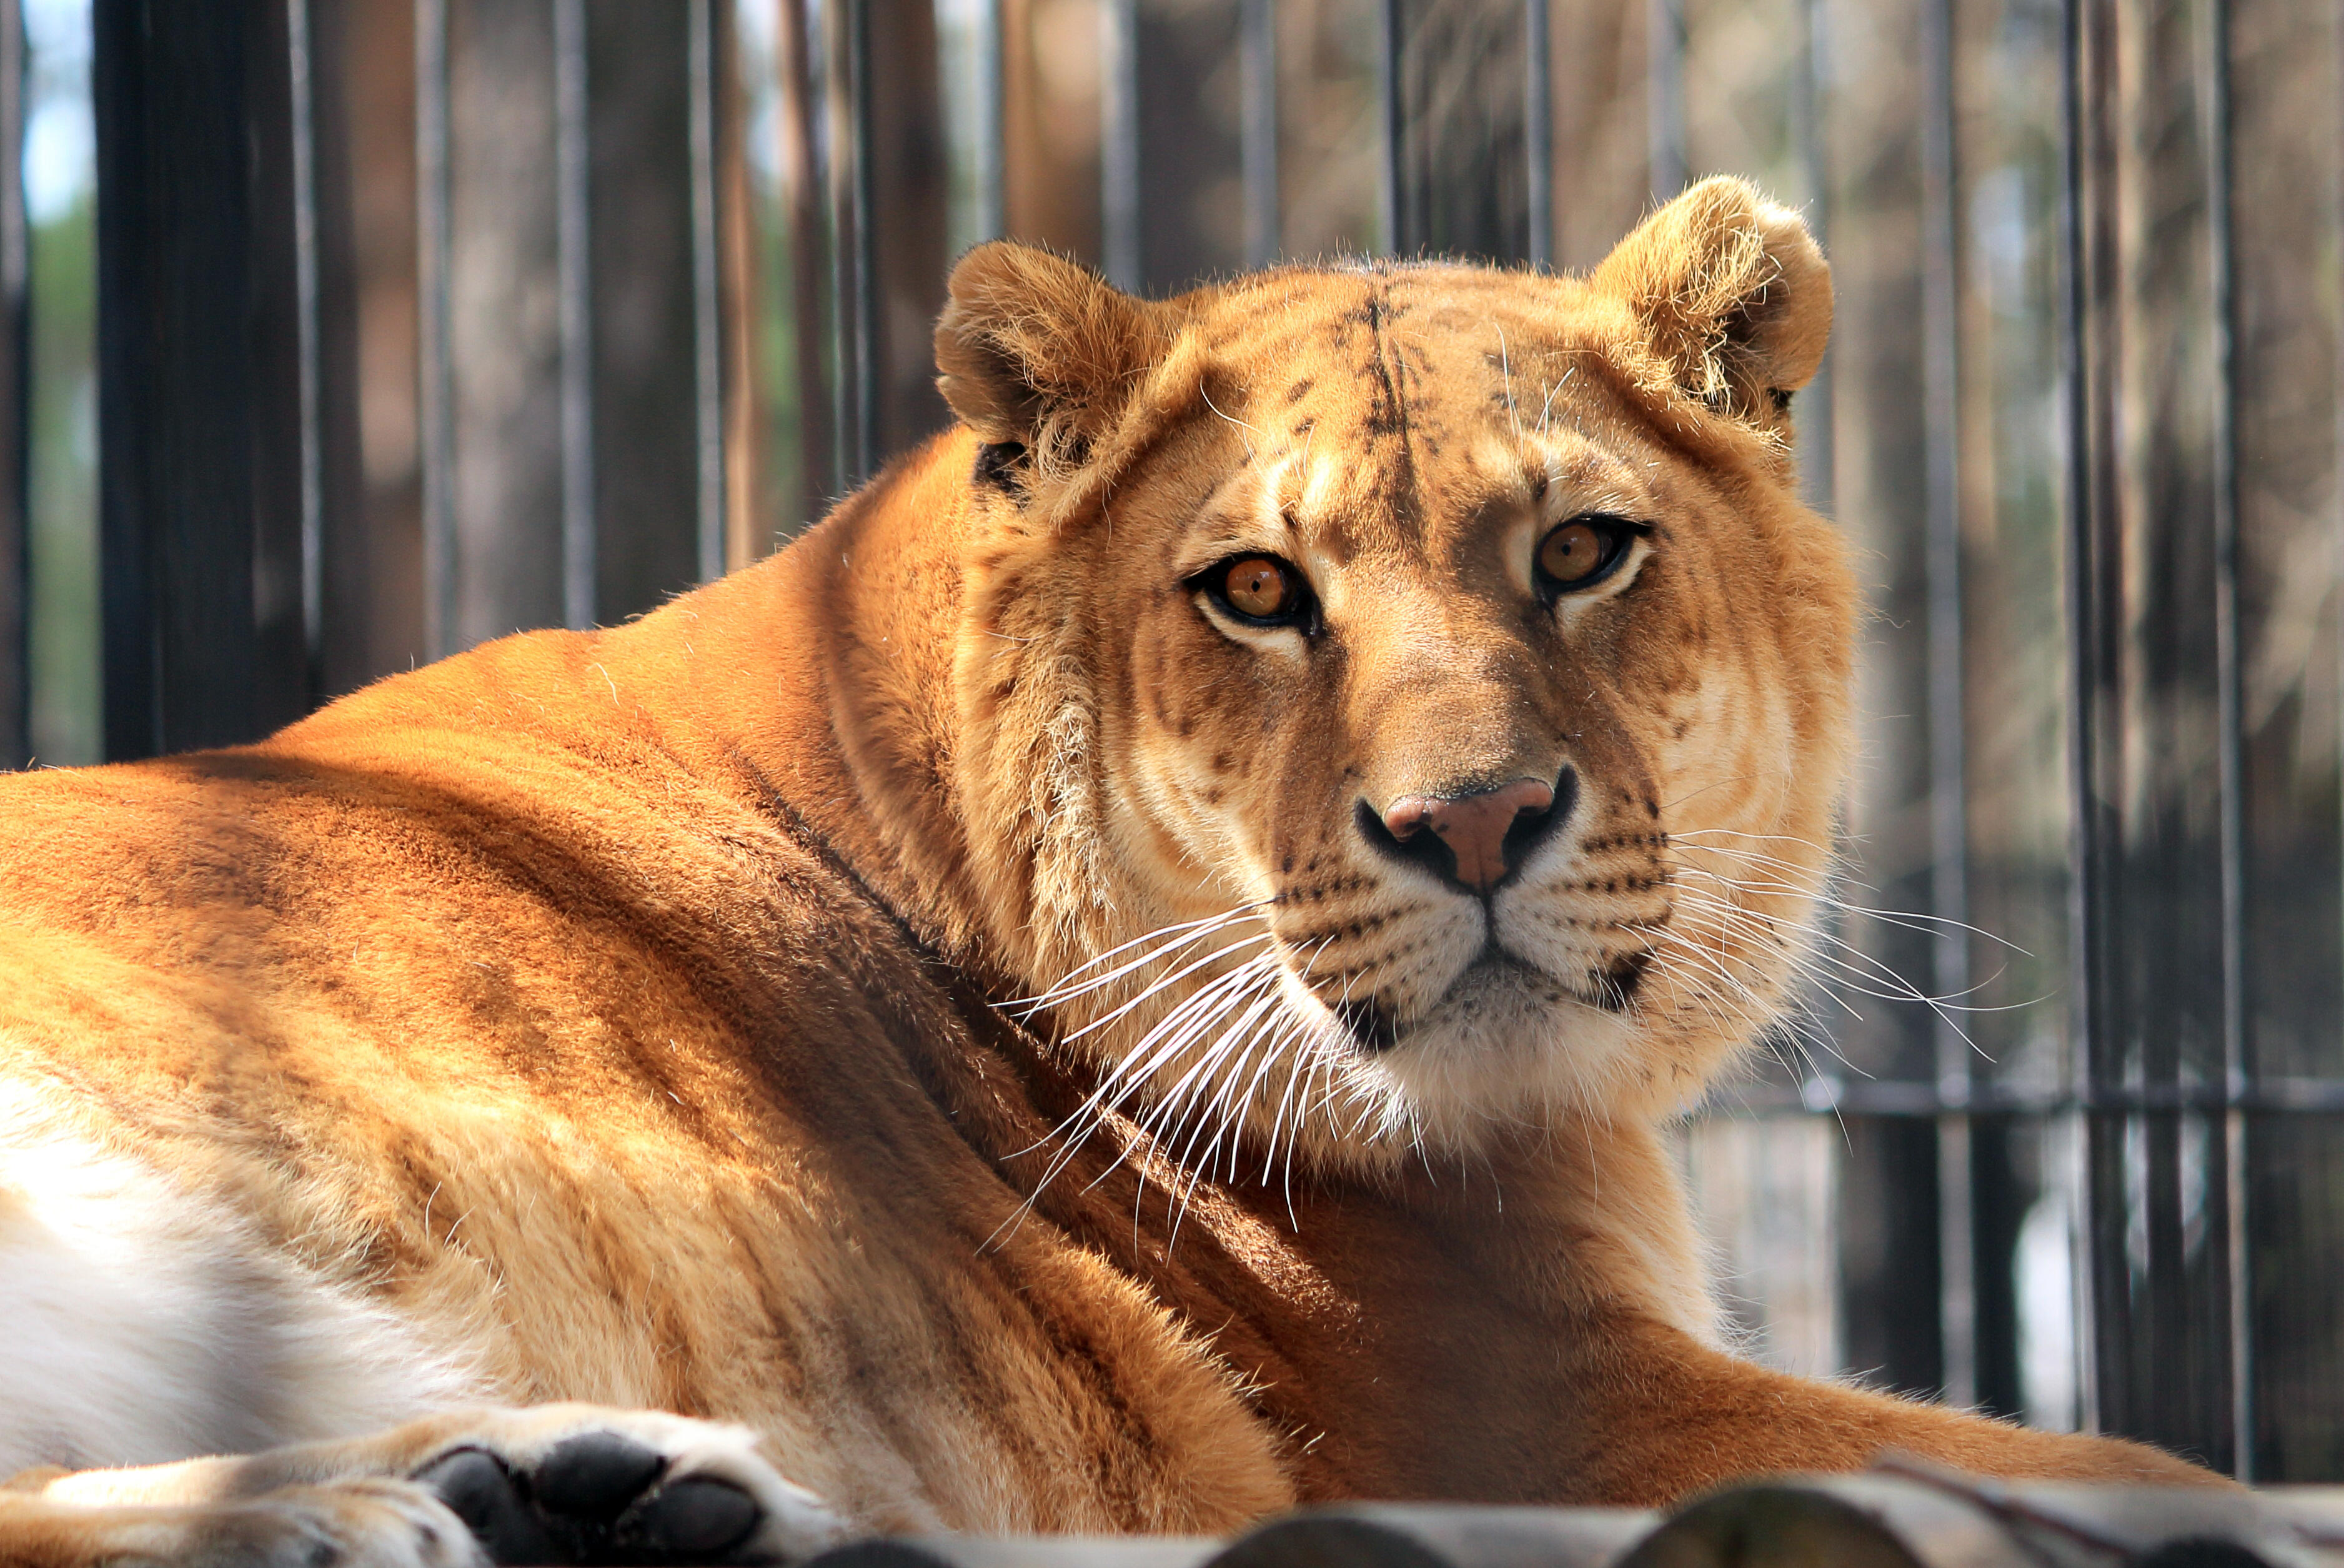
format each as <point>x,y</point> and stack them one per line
<point>1493,1053</point>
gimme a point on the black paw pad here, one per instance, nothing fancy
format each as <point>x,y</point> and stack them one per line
<point>695,1519</point>
<point>490,1501</point>
<point>593,1499</point>
<point>595,1475</point>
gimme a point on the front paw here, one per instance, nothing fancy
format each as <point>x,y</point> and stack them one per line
<point>573,1484</point>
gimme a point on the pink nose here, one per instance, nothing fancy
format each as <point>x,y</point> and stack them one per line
<point>1473,826</point>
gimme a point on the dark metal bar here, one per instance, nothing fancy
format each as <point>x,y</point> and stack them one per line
<point>855,306</point>
<point>340,551</point>
<point>434,394</point>
<point>16,402</point>
<point>1257,132</point>
<point>2095,1065</point>
<point>1948,813</point>
<point>575,264</point>
<point>299,71</point>
<point>653,421</point>
<point>708,362</point>
<point>803,171</point>
<point>1456,130</point>
<point>1119,251</point>
<point>279,685</point>
<point>992,154</point>
<point>1665,108</point>
<point>909,215</point>
<point>2147,671</point>
<point>1816,452</point>
<point>743,305</point>
<point>842,151</point>
<point>2237,1070</point>
<point>1392,121</point>
<point>1806,115</point>
<point>1538,130</point>
<point>199,408</point>
<point>861,226</point>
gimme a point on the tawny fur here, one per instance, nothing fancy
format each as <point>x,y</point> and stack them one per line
<point>628,1015</point>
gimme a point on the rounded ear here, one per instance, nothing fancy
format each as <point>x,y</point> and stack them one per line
<point>1732,293</point>
<point>1035,351</point>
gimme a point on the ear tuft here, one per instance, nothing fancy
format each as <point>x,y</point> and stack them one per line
<point>1035,351</point>
<point>1733,294</point>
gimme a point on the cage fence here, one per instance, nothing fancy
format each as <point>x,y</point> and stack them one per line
<point>409,322</point>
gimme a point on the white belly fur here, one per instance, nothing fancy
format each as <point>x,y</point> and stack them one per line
<point>144,1323</point>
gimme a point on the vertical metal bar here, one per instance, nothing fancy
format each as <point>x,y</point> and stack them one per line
<point>1257,129</point>
<point>574,268</point>
<point>1815,425</point>
<point>334,512</point>
<point>865,256</point>
<point>1538,129</point>
<point>797,130</point>
<point>434,396</point>
<point>743,305</point>
<point>2087,829</point>
<point>299,66</point>
<point>1665,108</point>
<point>1390,42</point>
<point>1948,815</point>
<point>15,403</point>
<point>1806,111</point>
<point>1120,250</point>
<point>2236,1067</point>
<point>840,150</point>
<point>707,327</point>
<point>992,150</point>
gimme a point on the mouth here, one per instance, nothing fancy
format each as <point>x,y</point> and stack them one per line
<point>1375,1028</point>
<point>1614,986</point>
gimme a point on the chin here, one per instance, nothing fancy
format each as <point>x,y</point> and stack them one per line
<point>1504,1048</point>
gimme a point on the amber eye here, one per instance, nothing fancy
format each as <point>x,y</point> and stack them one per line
<point>1261,586</point>
<point>1583,552</point>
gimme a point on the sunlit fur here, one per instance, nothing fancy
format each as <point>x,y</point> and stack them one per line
<point>892,999</point>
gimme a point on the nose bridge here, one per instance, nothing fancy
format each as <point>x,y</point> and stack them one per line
<point>1439,711</point>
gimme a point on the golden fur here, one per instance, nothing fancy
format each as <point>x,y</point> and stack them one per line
<point>633,1016</point>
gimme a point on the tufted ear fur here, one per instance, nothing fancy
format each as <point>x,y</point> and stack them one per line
<point>1040,354</point>
<point>1733,296</point>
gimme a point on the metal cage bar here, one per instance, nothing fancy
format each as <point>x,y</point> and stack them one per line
<point>707,330</point>
<point>2237,1065</point>
<point>574,271</point>
<point>1665,104</point>
<point>1119,248</point>
<point>435,411</point>
<point>1817,453</point>
<point>1538,129</point>
<point>1947,720</point>
<point>1390,122</point>
<point>991,159</point>
<point>15,390</point>
<point>300,78</point>
<point>1257,127</point>
<point>2084,489</point>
